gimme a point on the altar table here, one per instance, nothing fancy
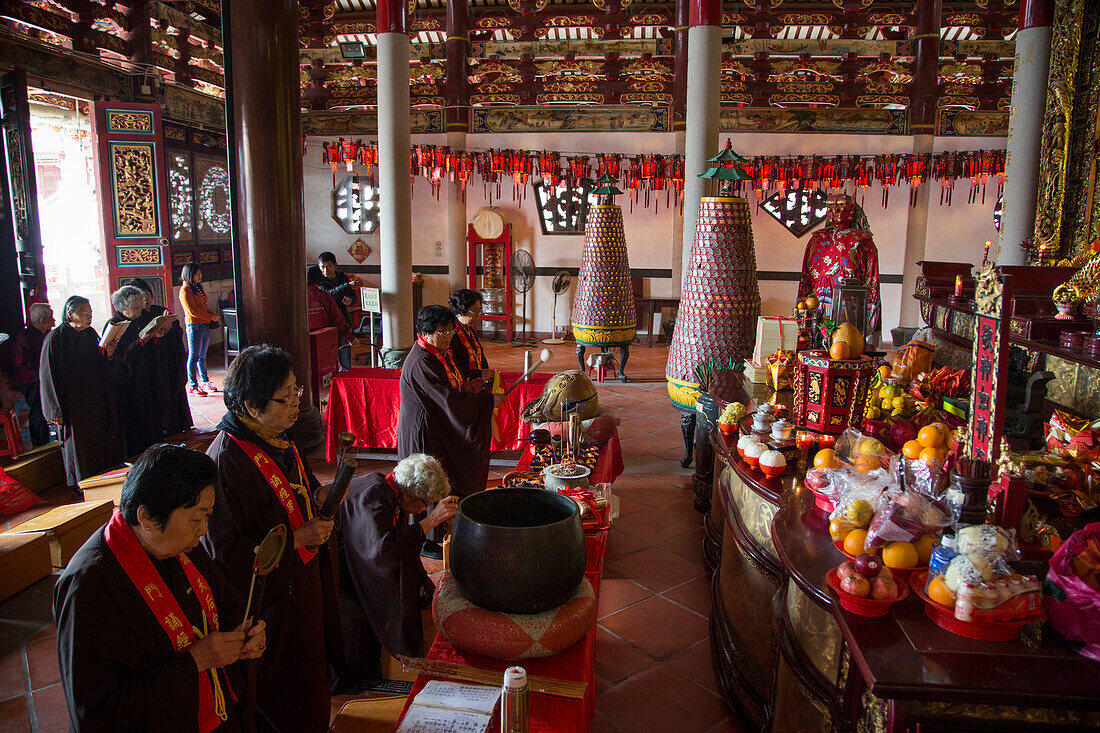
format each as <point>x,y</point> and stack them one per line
<point>366,401</point>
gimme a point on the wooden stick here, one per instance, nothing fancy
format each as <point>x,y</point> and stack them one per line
<point>546,685</point>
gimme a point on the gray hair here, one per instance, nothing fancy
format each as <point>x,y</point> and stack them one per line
<point>422,477</point>
<point>39,312</point>
<point>127,297</point>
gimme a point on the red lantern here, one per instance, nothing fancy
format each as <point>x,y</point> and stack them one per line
<point>886,170</point>
<point>349,151</point>
<point>609,165</point>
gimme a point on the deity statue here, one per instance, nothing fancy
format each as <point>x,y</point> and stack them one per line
<point>844,247</point>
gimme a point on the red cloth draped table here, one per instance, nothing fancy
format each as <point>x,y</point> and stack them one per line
<point>366,402</point>
<point>609,464</point>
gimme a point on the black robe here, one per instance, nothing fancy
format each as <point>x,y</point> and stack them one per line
<point>299,602</point>
<point>135,374</point>
<point>339,287</point>
<point>119,669</point>
<point>462,356</point>
<point>169,357</point>
<point>380,554</point>
<point>435,418</point>
<point>78,386</point>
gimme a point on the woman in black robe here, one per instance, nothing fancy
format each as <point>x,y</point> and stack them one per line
<point>135,370</point>
<point>380,569</point>
<point>443,415</point>
<point>169,358</point>
<point>123,664</point>
<point>78,394</point>
<point>466,304</point>
<point>263,482</point>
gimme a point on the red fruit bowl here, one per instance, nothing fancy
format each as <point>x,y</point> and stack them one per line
<point>772,471</point>
<point>865,606</point>
<point>944,617</point>
<point>753,461</point>
<point>824,503</point>
<point>728,428</point>
<point>901,575</point>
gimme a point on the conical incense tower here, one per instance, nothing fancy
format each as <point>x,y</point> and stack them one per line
<point>603,308</point>
<point>720,300</point>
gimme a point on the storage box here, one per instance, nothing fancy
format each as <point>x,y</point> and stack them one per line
<point>24,560</point>
<point>67,527</point>
<point>40,468</point>
<point>774,332</point>
<point>106,486</point>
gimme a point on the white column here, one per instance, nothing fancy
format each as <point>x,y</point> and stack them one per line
<point>395,230</point>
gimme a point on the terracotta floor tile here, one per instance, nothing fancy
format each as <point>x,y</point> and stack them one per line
<point>616,659</point>
<point>660,699</point>
<point>50,709</point>
<point>688,545</point>
<point>656,568</point>
<point>600,724</point>
<point>621,544</point>
<point>617,594</point>
<point>653,525</point>
<point>657,627</point>
<point>655,494</point>
<point>628,506</point>
<point>697,664</point>
<point>15,718</point>
<point>730,725</point>
<point>694,594</point>
<point>11,674</point>
<point>42,662</point>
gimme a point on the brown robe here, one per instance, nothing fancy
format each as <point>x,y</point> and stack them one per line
<point>169,355</point>
<point>380,552</point>
<point>78,386</point>
<point>462,356</point>
<point>119,669</point>
<point>299,602</point>
<point>453,426</point>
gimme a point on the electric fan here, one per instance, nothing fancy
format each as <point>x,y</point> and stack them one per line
<point>561,283</point>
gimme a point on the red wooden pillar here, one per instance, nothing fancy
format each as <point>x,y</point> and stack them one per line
<point>458,87</point>
<point>923,108</point>
<point>679,78</point>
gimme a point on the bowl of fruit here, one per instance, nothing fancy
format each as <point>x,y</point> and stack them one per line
<point>731,418</point>
<point>863,530</point>
<point>865,586</point>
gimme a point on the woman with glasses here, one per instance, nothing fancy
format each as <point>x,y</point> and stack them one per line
<point>443,414</point>
<point>466,304</point>
<point>263,481</point>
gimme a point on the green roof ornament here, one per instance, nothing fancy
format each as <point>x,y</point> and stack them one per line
<point>606,189</point>
<point>726,167</point>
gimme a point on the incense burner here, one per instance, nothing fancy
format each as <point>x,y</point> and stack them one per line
<point>517,550</point>
<point>561,475</point>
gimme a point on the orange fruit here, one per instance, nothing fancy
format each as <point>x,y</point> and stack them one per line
<point>811,302</point>
<point>940,593</point>
<point>924,546</point>
<point>839,528</point>
<point>899,555</point>
<point>930,436</point>
<point>884,371</point>
<point>853,543</point>
<point>912,449</point>
<point>942,427</point>
<point>866,463</point>
<point>826,458</point>
<point>839,351</point>
<point>933,454</point>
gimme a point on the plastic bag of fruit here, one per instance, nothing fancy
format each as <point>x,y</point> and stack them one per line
<point>864,452</point>
<point>1075,591</point>
<point>905,516</point>
<point>928,477</point>
<point>857,497</point>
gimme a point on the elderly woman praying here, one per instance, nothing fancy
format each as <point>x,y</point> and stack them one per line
<point>383,581</point>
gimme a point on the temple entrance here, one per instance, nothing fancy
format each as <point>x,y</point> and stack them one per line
<point>68,202</point>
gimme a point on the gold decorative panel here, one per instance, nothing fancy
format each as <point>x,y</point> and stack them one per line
<point>130,121</point>
<point>756,513</point>
<point>133,178</point>
<point>816,630</point>
<point>963,325</point>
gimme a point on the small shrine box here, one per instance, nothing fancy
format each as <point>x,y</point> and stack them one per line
<point>24,560</point>
<point>39,468</point>
<point>830,395</point>
<point>68,527</point>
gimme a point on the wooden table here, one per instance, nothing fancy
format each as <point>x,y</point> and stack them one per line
<point>651,306</point>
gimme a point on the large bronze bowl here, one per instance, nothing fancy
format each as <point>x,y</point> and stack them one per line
<point>517,550</point>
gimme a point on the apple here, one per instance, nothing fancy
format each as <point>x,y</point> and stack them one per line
<point>886,573</point>
<point>856,585</point>
<point>884,590</point>
<point>868,565</point>
<point>846,570</point>
<point>816,479</point>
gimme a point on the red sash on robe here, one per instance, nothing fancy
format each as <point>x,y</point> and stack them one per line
<point>453,375</point>
<point>139,569</point>
<point>279,483</point>
<point>473,346</point>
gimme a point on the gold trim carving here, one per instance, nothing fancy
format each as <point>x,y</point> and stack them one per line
<point>135,190</point>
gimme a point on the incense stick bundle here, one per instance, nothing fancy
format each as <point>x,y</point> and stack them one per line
<point>546,685</point>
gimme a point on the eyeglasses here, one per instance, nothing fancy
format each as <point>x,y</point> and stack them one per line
<point>295,396</point>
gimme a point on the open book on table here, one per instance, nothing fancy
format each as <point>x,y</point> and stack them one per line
<point>451,707</point>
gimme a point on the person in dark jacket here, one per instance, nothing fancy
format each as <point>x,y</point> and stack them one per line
<point>169,354</point>
<point>336,283</point>
<point>26,353</point>
<point>324,312</point>
<point>466,346</point>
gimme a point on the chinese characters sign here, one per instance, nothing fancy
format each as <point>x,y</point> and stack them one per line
<point>985,411</point>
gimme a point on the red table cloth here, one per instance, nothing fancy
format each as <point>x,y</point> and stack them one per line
<point>366,402</point>
<point>549,714</point>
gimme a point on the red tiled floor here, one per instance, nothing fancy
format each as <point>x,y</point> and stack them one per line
<point>660,699</point>
<point>697,665</point>
<point>653,525</point>
<point>621,543</point>
<point>694,594</point>
<point>11,675</point>
<point>656,568</point>
<point>617,594</point>
<point>600,724</point>
<point>688,545</point>
<point>657,627</point>
<point>14,716</point>
<point>50,709</point>
<point>42,662</point>
<point>616,659</point>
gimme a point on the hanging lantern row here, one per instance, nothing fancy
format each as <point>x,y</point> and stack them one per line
<point>643,175</point>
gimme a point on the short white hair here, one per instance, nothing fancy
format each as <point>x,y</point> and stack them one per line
<point>422,477</point>
<point>128,297</point>
<point>39,312</point>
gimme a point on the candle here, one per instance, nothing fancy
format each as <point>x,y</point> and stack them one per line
<point>985,257</point>
<point>1042,251</point>
<point>958,286</point>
